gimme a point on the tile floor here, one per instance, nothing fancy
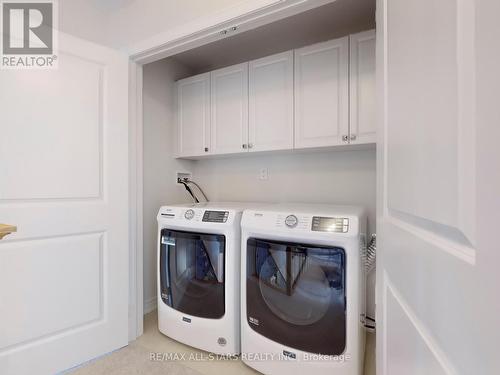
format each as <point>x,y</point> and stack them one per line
<point>135,358</point>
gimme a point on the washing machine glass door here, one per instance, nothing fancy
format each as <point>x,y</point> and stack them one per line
<point>296,294</point>
<point>192,272</point>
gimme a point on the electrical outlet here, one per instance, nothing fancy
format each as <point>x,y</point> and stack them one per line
<point>264,174</point>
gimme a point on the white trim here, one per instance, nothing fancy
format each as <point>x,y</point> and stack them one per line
<point>466,90</point>
<point>246,16</point>
<point>426,336</point>
<point>458,250</point>
<point>381,196</point>
<point>136,191</point>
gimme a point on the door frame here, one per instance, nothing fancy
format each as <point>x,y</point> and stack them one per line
<point>233,20</point>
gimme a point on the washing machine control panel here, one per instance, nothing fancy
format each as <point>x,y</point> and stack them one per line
<point>203,216</point>
<point>189,214</point>
<point>291,221</point>
<point>215,216</point>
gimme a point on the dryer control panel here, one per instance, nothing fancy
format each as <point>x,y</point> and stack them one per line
<point>345,222</point>
<point>314,223</point>
<point>330,224</point>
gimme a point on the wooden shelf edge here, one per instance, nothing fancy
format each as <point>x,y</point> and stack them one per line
<point>6,229</point>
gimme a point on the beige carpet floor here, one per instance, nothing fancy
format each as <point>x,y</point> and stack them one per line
<point>135,358</point>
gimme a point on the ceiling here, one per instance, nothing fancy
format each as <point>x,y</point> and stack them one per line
<point>108,6</point>
<point>330,21</point>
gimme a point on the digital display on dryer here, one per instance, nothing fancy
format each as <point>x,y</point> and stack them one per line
<point>330,224</point>
<point>215,216</point>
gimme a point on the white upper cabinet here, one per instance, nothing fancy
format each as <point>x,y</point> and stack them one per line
<point>193,116</point>
<point>362,88</point>
<point>229,109</point>
<point>322,94</point>
<point>271,103</point>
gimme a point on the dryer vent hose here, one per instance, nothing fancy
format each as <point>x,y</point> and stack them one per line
<point>186,182</point>
<point>371,254</point>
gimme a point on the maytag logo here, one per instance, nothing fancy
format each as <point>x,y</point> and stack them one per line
<point>288,354</point>
<point>29,37</point>
<point>187,320</point>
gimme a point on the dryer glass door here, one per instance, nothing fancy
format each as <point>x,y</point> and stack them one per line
<point>296,295</point>
<point>192,272</point>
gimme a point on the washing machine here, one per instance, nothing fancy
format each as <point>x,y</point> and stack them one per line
<point>302,289</point>
<point>199,275</point>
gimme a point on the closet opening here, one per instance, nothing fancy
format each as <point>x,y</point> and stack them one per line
<point>248,149</point>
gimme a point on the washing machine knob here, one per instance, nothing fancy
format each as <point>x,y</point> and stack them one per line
<point>189,214</point>
<point>291,221</point>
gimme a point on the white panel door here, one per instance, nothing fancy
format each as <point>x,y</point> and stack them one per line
<point>229,109</point>
<point>362,93</point>
<point>439,184</point>
<point>193,115</point>
<point>63,182</point>
<point>322,94</point>
<point>271,103</point>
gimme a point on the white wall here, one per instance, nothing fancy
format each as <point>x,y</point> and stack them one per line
<point>137,20</point>
<point>340,177</point>
<point>121,23</point>
<point>159,165</point>
<point>86,19</point>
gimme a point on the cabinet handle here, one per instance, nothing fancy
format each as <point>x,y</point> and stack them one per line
<point>244,145</point>
<point>250,145</point>
<point>206,149</point>
<point>353,137</point>
<point>345,139</point>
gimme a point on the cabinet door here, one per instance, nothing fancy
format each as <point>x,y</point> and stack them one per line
<point>362,88</point>
<point>193,115</point>
<point>322,94</point>
<point>229,108</point>
<point>271,103</point>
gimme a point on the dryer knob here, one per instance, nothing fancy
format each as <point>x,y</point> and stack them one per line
<point>189,214</point>
<point>291,221</point>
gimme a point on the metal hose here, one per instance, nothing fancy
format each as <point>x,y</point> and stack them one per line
<point>371,254</point>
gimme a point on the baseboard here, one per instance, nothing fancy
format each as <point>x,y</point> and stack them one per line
<point>150,305</point>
